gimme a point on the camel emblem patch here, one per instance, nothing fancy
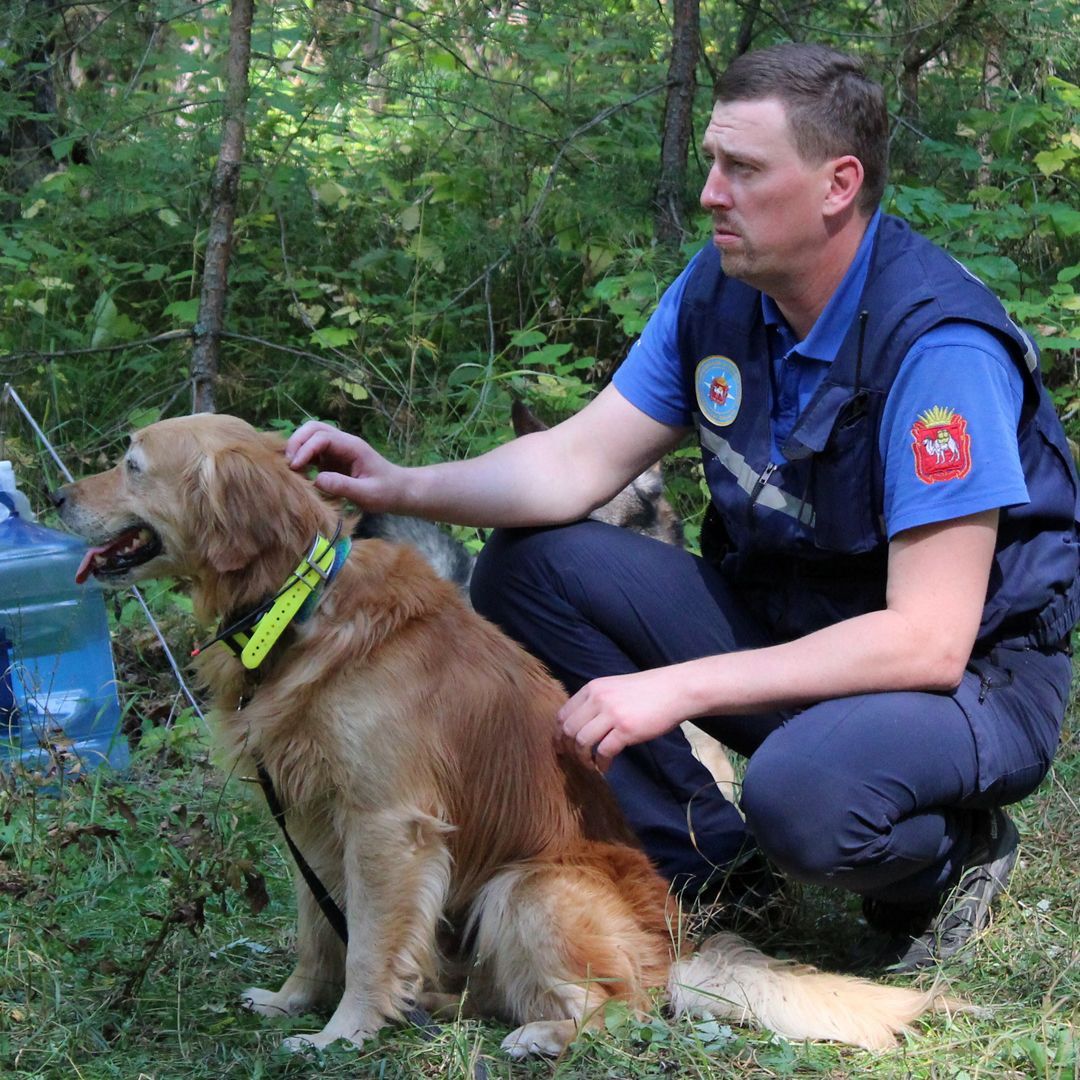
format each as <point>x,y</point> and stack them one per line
<point>941,445</point>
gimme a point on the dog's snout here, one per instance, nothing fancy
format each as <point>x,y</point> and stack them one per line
<point>58,497</point>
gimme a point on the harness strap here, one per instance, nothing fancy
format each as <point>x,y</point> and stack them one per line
<point>334,915</point>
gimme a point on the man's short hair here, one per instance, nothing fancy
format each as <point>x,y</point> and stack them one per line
<point>832,107</point>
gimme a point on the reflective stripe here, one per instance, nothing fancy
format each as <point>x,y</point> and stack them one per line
<point>751,482</point>
<point>1031,356</point>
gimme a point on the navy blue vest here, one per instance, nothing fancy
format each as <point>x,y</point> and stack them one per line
<point>806,538</point>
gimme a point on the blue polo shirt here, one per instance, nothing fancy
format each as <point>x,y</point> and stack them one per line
<point>797,367</point>
<point>957,368</point>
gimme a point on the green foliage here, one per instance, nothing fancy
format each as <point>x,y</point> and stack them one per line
<point>368,202</point>
<point>1008,210</point>
<point>423,187</point>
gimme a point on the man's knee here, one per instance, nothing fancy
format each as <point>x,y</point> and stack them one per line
<point>485,585</point>
<point>801,819</point>
<point>521,562</point>
<point>513,561</point>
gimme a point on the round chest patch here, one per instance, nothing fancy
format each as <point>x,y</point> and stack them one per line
<point>718,385</point>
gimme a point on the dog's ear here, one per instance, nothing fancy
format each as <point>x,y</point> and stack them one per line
<point>524,420</point>
<point>248,502</point>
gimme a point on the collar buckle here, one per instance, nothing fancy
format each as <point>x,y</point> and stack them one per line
<point>312,562</point>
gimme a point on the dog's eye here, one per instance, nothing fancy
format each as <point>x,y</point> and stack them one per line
<point>131,465</point>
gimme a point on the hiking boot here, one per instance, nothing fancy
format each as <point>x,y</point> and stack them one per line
<point>896,933</point>
<point>912,938</point>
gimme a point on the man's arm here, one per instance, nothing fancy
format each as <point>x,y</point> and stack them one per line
<point>544,478</point>
<point>921,640</point>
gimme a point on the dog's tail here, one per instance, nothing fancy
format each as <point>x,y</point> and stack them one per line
<point>728,979</point>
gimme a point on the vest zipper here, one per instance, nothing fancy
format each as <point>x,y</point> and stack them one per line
<point>759,484</point>
<point>762,480</point>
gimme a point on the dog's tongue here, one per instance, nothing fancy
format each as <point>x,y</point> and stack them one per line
<point>87,564</point>
<point>122,544</point>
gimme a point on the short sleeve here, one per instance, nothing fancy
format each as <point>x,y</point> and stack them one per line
<point>949,430</point>
<point>651,376</point>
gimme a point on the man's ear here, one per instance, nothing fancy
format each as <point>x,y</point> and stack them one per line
<point>845,183</point>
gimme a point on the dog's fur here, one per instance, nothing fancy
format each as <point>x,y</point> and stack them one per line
<point>412,746</point>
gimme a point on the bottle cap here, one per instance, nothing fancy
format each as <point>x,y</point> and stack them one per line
<point>13,501</point>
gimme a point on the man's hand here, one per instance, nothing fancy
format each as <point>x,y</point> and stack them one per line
<point>348,467</point>
<point>607,715</point>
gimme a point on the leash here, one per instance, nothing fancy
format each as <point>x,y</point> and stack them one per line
<point>334,915</point>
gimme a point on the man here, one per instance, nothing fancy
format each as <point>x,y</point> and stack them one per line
<point>882,619</point>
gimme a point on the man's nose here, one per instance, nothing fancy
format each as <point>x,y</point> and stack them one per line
<point>716,194</point>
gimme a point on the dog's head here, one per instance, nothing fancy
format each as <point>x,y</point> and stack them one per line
<point>199,497</point>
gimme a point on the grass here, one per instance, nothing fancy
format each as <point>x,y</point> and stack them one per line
<point>134,909</point>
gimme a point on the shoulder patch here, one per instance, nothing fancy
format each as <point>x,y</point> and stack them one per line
<point>941,445</point>
<point>718,387</point>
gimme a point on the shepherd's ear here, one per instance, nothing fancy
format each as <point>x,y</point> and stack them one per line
<point>246,504</point>
<point>524,420</point>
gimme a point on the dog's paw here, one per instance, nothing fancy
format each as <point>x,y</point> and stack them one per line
<point>271,1003</point>
<point>352,1027</point>
<point>302,1044</point>
<point>545,1037</point>
<point>319,1040</point>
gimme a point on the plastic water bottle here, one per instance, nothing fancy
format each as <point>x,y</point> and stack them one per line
<point>58,702</point>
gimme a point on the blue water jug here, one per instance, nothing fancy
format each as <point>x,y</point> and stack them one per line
<point>58,702</point>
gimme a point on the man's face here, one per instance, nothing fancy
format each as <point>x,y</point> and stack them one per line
<point>766,202</point>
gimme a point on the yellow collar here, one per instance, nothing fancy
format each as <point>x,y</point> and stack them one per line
<point>252,641</point>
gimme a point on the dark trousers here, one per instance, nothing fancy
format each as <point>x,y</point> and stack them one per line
<point>872,793</point>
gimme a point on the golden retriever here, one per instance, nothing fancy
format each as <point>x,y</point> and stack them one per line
<point>412,746</point>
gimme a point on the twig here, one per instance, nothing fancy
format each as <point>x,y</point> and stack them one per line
<point>423,35</point>
<point>599,118</point>
<point>52,354</point>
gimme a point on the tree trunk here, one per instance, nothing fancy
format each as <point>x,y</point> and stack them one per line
<point>678,122</point>
<point>31,119</point>
<point>745,37</point>
<point>208,326</point>
<point>992,78</point>
<point>924,44</point>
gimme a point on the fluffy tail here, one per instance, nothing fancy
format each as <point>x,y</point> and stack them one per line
<point>728,979</point>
